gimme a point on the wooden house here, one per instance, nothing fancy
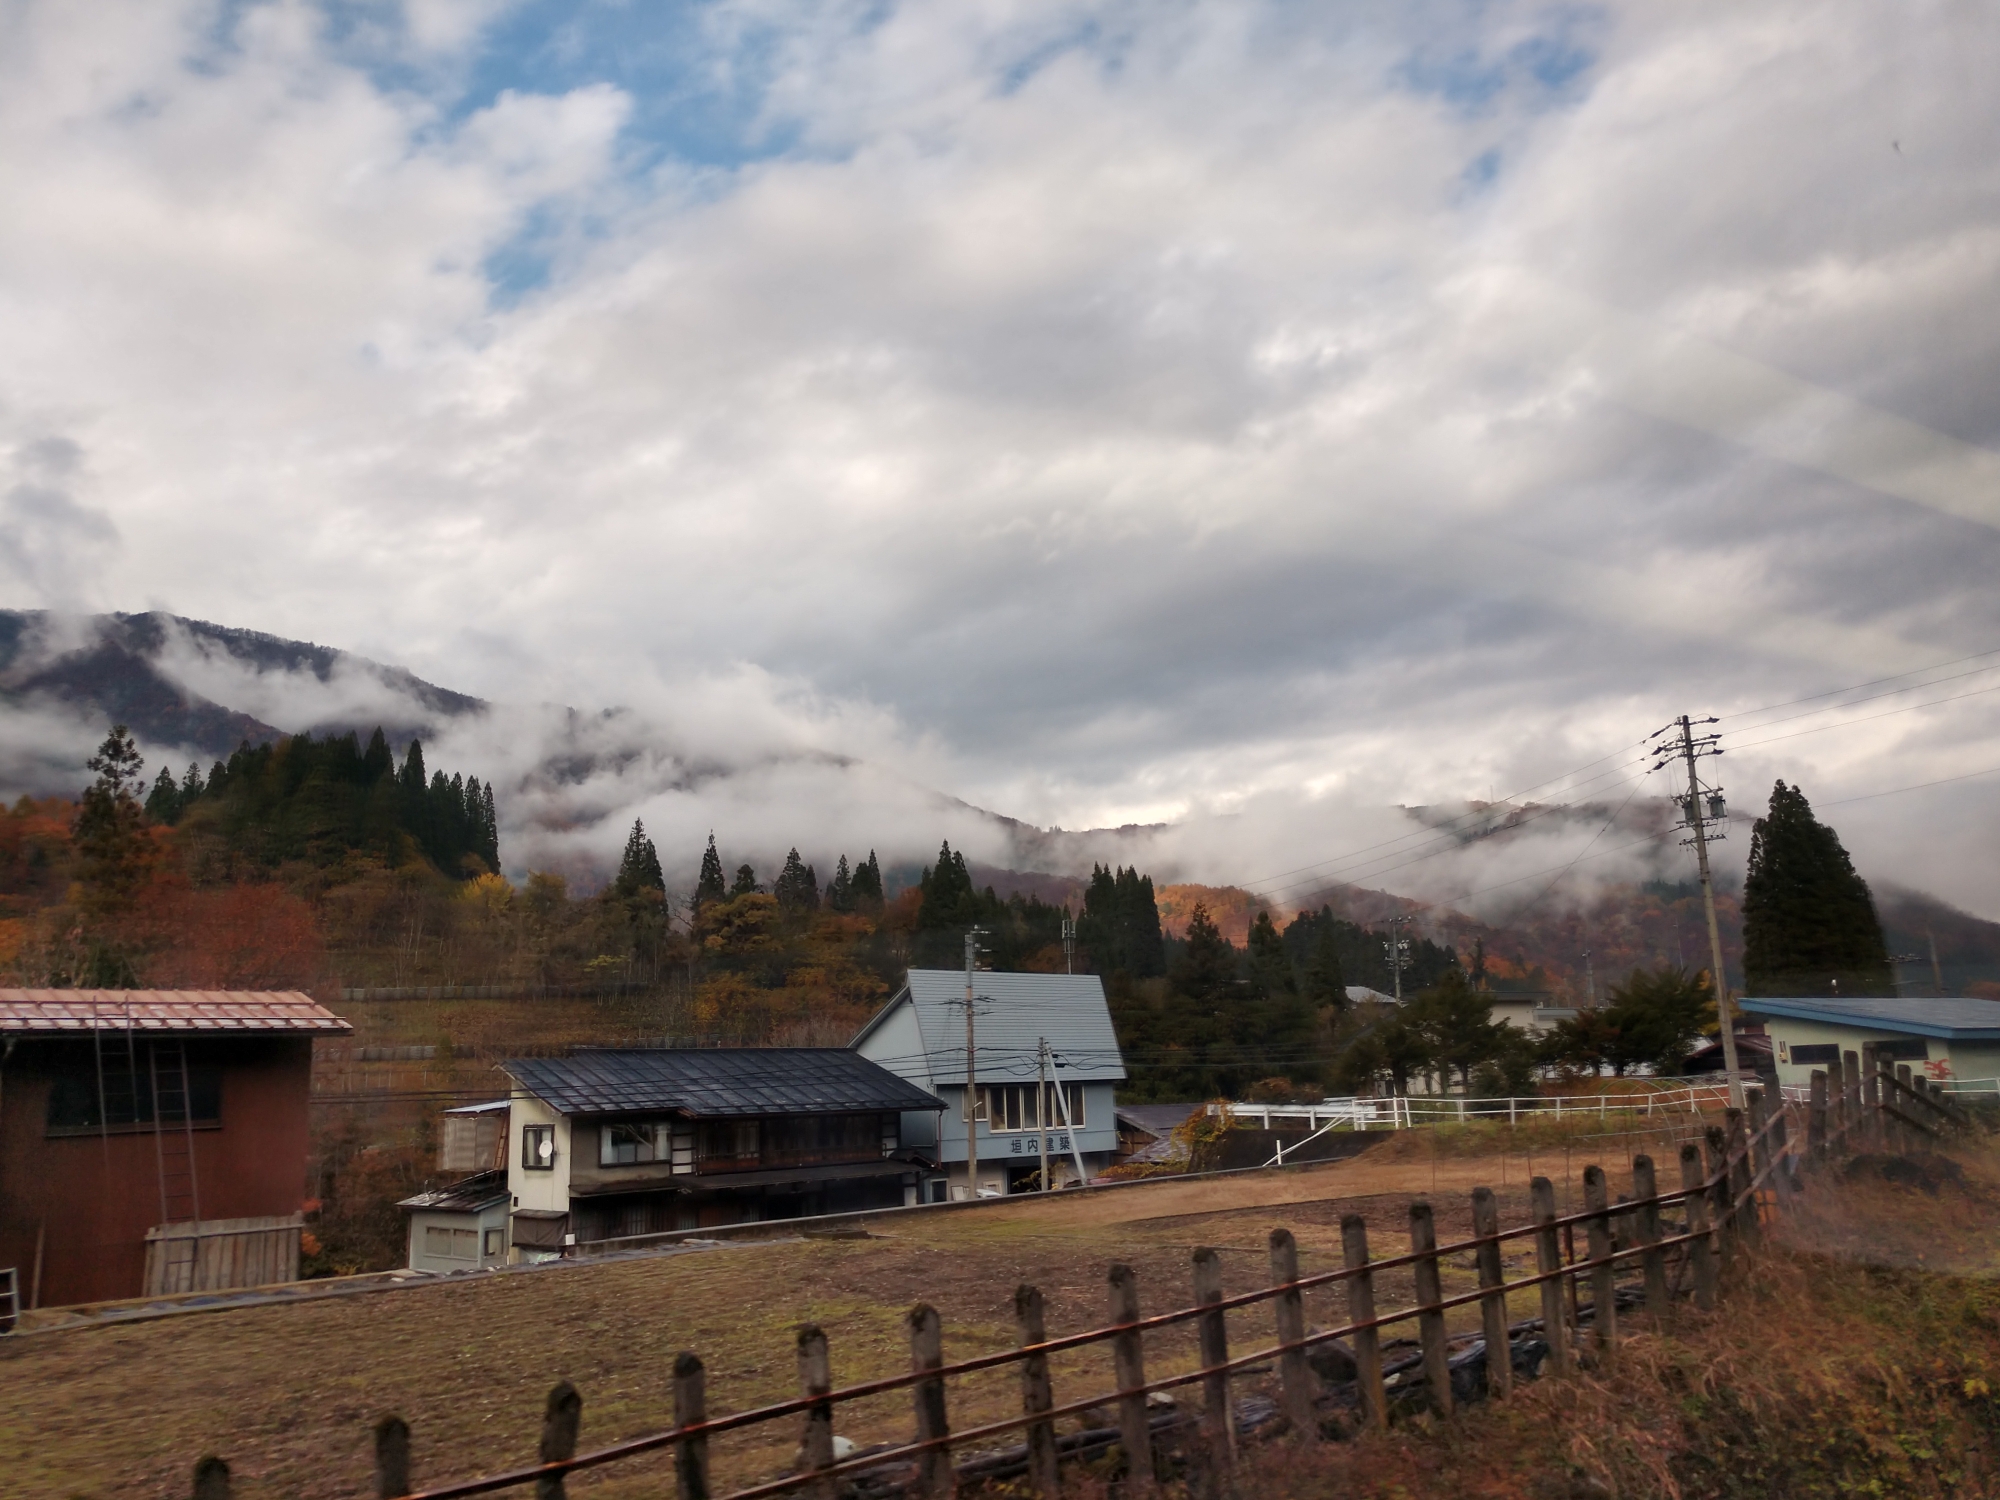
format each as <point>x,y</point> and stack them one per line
<point>153,1140</point>
<point>614,1143</point>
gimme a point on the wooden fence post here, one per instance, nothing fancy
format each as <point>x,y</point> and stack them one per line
<point>1295,1375</point>
<point>935,1479</point>
<point>1128,1355</point>
<point>1871,1099</point>
<point>1740,1178</point>
<point>690,1410</point>
<point>561,1420</point>
<point>1548,1259</point>
<point>211,1479</point>
<point>1850,1093</point>
<point>816,1442</point>
<point>392,1457</point>
<point>1036,1393</point>
<point>1816,1118</point>
<point>1645,1185</point>
<point>1361,1309</point>
<point>1701,1249</point>
<point>1911,1140</point>
<point>1755,1118</point>
<point>1604,1274</point>
<point>1492,1309</point>
<point>1212,1332</point>
<point>1430,1317</point>
<point>1721,1212</point>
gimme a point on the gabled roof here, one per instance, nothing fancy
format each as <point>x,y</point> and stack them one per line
<point>1011,1014</point>
<point>1951,1017</point>
<point>79,1012</point>
<point>718,1082</point>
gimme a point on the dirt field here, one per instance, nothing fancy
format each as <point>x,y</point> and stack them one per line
<point>288,1394</point>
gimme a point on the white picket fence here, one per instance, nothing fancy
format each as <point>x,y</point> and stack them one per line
<point>1405,1111</point>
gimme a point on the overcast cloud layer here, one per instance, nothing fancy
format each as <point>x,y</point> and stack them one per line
<point>1249,416</point>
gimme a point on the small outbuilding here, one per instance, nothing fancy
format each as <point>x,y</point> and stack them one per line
<point>462,1227</point>
<point>1944,1038</point>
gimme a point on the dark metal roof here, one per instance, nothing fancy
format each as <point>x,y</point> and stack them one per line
<point>469,1196</point>
<point>716,1081</point>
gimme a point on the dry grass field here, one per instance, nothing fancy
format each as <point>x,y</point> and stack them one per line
<point>288,1394</point>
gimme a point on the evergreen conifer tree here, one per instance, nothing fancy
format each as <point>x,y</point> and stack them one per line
<point>1120,924</point>
<point>163,803</point>
<point>949,899</point>
<point>639,868</point>
<point>840,889</point>
<point>191,786</point>
<point>746,883</point>
<point>708,886</point>
<point>1325,984</point>
<point>868,884</point>
<point>1206,966</point>
<point>1809,923</point>
<point>378,760</point>
<point>797,887</point>
<point>110,826</point>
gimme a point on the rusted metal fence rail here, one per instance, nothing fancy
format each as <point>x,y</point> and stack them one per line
<point>1731,1182</point>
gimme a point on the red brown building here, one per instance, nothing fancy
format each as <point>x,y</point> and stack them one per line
<point>153,1140</point>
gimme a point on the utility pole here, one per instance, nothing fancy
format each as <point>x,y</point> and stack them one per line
<point>1690,749</point>
<point>1937,970</point>
<point>1042,1111</point>
<point>1069,943</point>
<point>1589,974</point>
<point>971,1084</point>
<point>1399,949</point>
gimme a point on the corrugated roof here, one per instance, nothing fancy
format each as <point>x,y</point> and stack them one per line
<point>1943,1016</point>
<point>469,1196</point>
<point>715,1081</point>
<point>1011,1014</point>
<point>78,1012</point>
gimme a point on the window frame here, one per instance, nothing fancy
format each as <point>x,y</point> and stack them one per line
<point>1004,1107</point>
<point>531,1133</point>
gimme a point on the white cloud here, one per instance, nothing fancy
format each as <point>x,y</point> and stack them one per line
<point>1101,412</point>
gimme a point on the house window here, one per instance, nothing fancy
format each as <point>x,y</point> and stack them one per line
<point>538,1148</point>
<point>1903,1049</point>
<point>625,1143</point>
<point>120,1097</point>
<point>493,1247</point>
<point>1816,1052</point>
<point>722,1144</point>
<point>1018,1106</point>
<point>451,1244</point>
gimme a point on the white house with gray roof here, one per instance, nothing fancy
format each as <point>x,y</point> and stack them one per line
<point>1945,1038</point>
<point>920,1036</point>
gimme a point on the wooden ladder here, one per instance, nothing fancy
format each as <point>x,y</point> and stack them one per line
<point>10,1299</point>
<point>173,1141</point>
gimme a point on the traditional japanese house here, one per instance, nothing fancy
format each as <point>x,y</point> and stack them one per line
<point>609,1144</point>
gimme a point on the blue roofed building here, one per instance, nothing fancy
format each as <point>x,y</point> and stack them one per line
<point>1949,1039</point>
<point>1045,1066</point>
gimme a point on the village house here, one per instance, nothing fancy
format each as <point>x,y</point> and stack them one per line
<point>613,1143</point>
<point>1046,1066</point>
<point>1941,1038</point>
<point>153,1140</point>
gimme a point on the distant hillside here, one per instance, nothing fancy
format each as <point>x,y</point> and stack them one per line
<point>118,668</point>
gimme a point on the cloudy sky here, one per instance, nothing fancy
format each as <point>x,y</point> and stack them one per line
<point>1237,414</point>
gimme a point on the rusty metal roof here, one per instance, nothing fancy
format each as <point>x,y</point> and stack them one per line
<point>715,1081</point>
<point>78,1012</point>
